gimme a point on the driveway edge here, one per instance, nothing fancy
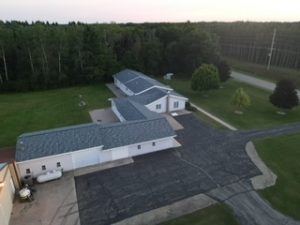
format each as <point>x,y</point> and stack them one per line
<point>168,212</point>
<point>268,178</point>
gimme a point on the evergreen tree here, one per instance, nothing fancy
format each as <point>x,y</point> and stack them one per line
<point>285,95</point>
<point>204,78</point>
<point>224,70</point>
<point>240,99</point>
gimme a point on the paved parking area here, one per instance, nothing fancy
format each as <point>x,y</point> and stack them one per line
<point>55,203</point>
<point>208,159</point>
<point>103,116</point>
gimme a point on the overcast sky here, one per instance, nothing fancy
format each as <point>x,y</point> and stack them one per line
<point>90,11</point>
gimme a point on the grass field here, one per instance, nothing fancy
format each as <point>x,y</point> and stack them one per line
<point>282,156</point>
<point>213,215</point>
<point>260,114</point>
<point>25,112</point>
<point>258,70</point>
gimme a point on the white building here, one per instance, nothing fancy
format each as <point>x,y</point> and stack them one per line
<point>149,92</point>
<point>7,192</point>
<point>142,130</point>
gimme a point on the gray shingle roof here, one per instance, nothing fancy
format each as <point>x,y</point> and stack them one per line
<point>149,96</point>
<point>138,85</point>
<point>126,75</point>
<point>68,139</point>
<point>131,110</point>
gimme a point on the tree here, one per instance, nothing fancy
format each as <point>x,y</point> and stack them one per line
<point>204,78</point>
<point>224,70</point>
<point>284,95</point>
<point>240,99</point>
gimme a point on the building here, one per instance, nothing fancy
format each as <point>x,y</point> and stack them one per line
<point>7,192</point>
<point>141,130</point>
<point>154,95</point>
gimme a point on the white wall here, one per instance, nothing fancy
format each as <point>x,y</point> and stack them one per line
<point>123,87</point>
<point>67,161</point>
<point>147,147</point>
<point>35,165</point>
<point>162,101</point>
<point>6,196</point>
<point>180,101</point>
<point>116,112</point>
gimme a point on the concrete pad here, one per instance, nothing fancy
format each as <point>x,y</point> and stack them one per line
<point>103,116</point>
<point>103,166</point>
<point>173,122</point>
<point>177,209</point>
<point>115,90</point>
<point>55,203</point>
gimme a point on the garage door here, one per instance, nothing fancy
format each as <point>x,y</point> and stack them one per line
<point>85,158</point>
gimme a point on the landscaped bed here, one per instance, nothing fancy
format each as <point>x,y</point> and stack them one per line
<point>25,112</point>
<point>260,114</point>
<point>282,156</point>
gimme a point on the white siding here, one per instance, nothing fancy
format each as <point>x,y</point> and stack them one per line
<point>86,157</point>
<point>6,197</point>
<point>147,147</point>
<point>172,100</point>
<point>162,102</point>
<point>123,87</point>
<point>35,165</point>
<point>117,113</point>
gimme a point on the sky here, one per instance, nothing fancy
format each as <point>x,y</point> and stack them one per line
<point>123,11</point>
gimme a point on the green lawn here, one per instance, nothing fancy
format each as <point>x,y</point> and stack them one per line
<point>260,114</point>
<point>213,215</point>
<point>260,71</point>
<point>282,156</point>
<point>24,112</point>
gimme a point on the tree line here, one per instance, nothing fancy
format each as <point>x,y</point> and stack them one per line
<point>42,55</point>
<point>251,41</point>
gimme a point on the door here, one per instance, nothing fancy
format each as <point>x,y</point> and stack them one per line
<point>85,158</point>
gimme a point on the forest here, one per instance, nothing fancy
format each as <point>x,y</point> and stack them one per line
<point>40,55</point>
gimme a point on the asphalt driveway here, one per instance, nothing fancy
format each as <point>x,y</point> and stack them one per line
<point>208,159</point>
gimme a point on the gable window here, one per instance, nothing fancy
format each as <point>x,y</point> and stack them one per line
<point>139,147</point>
<point>176,104</point>
<point>153,143</point>
<point>28,171</point>
<point>58,164</point>
<point>43,167</point>
<point>158,106</point>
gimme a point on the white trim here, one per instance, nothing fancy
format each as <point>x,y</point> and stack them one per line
<point>179,97</point>
<point>57,155</point>
<point>156,100</point>
<point>155,86</point>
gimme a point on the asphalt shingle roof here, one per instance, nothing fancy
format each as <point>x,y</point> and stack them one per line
<point>126,75</point>
<point>138,85</point>
<point>68,139</point>
<point>149,96</point>
<point>131,110</point>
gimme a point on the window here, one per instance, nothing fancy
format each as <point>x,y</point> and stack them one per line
<point>176,104</point>
<point>58,164</point>
<point>139,147</point>
<point>28,171</point>
<point>43,167</point>
<point>158,106</point>
<point>153,143</point>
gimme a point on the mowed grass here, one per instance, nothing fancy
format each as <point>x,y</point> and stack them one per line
<point>282,156</point>
<point>273,74</point>
<point>260,114</point>
<point>26,112</point>
<point>213,215</point>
